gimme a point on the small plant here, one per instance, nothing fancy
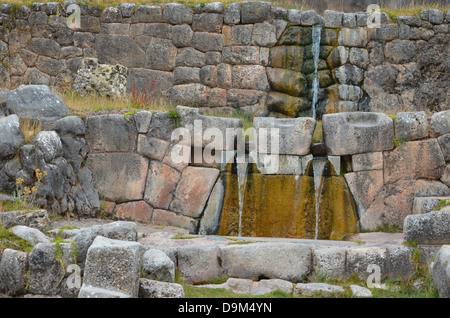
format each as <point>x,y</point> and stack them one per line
<point>398,143</point>
<point>25,196</point>
<point>176,118</point>
<point>441,204</point>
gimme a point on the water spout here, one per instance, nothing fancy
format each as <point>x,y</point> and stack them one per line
<point>316,37</point>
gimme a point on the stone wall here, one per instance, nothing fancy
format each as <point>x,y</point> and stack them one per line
<point>248,56</point>
<point>126,165</point>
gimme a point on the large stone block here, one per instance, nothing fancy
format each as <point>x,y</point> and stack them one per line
<point>111,133</point>
<point>353,133</point>
<point>210,221</point>
<point>428,228</point>
<point>250,77</point>
<point>199,264</point>
<point>160,185</point>
<point>158,266</point>
<point>238,55</point>
<point>206,42</point>
<point>37,103</point>
<point>113,265</point>
<point>254,12</point>
<point>441,272</point>
<point>411,125</point>
<point>119,49</point>
<point>424,205</point>
<point>154,289</point>
<point>329,261</point>
<point>194,94</point>
<point>38,219</point>
<point>400,51</point>
<point>404,162</point>
<point>161,55</point>
<point>49,143</point>
<point>353,37</point>
<point>176,13</point>
<point>155,83</point>
<point>295,134</point>
<point>11,137</point>
<point>193,190</point>
<point>440,123</point>
<point>120,230</point>
<point>291,262</point>
<point>136,210</point>
<point>287,105</point>
<point>164,217</point>
<point>365,261</point>
<point>13,272</point>
<point>288,82</point>
<point>207,22</point>
<point>367,161</point>
<point>119,177</point>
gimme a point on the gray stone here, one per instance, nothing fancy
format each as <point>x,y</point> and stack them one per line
<point>199,264</point>
<point>238,55</point>
<point>254,12</point>
<point>176,13</point>
<point>424,205</point>
<point>143,120</point>
<point>435,16</point>
<point>285,261</point>
<point>31,235</point>
<point>349,74</point>
<point>38,219</point>
<point>329,262</point>
<point>150,83</point>
<point>232,14</point>
<point>440,123</point>
<point>369,132</point>
<point>127,9</point>
<point>413,21</point>
<point>110,133</point>
<point>312,289</point>
<point>70,125</point>
<point>365,261</point>
<point>190,94</point>
<point>295,135</point>
<point>11,137</point>
<point>186,75</point>
<point>107,262</point>
<point>400,51</point>
<point>429,228</point>
<point>444,142</point>
<point>13,272</point>
<point>190,57</point>
<point>264,35</point>
<point>182,35</point>
<point>205,41</point>
<point>333,19</point>
<point>50,144</point>
<point>154,289</point>
<point>161,54</point>
<point>399,262</point>
<point>250,77</point>
<point>310,17</point>
<point>353,37</point>
<point>96,292</point>
<point>111,15</point>
<point>411,125</point>
<point>158,266</point>
<point>120,230</point>
<point>338,56</point>
<point>367,161</point>
<point>119,49</point>
<point>45,47</point>
<point>149,14</point>
<point>360,292</point>
<point>48,272</point>
<point>441,269</point>
<point>160,185</point>
<point>294,17</point>
<point>359,57</point>
<point>207,22</point>
<point>349,20</point>
<point>210,221</point>
<point>37,103</point>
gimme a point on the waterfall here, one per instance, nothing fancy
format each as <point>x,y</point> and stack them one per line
<point>318,168</point>
<point>316,33</point>
<point>242,180</point>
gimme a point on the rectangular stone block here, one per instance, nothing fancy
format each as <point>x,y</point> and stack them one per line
<point>367,161</point>
<point>355,133</point>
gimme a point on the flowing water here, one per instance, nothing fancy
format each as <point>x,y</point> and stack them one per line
<point>318,169</point>
<point>316,36</point>
<point>242,166</point>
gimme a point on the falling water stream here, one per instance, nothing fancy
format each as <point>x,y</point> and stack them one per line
<point>242,180</point>
<point>318,168</point>
<point>316,34</point>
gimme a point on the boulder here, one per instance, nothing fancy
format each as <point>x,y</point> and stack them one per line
<point>113,265</point>
<point>13,272</point>
<point>175,13</point>
<point>158,266</point>
<point>49,143</point>
<point>154,289</point>
<point>38,219</point>
<point>199,264</point>
<point>294,134</point>
<point>31,235</point>
<point>254,12</point>
<point>102,79</point>
<point>11,137</point>
<point>36,103</point>
<point>360,292</point>
<point>429,228</point>
<point>411,125</point>
<point>440,123</point>
<point>354,133</point>
<point>120,230</point>
<point>329,261</point>
<point>399,262</point>
<point>48,268</point>
<point>70,125</point>
<point>287,261</point>
<point>441,271</point>
<point>161,55</point>
<point>368,262</point>
<point>312,289</point>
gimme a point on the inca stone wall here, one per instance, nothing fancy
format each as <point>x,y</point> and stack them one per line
<point>248,56</point>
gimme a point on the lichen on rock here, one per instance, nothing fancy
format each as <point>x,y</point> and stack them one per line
<point>102,79</point>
